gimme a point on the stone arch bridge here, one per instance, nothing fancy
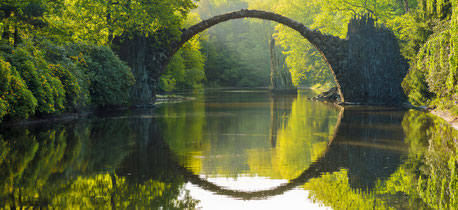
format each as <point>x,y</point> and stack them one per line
<point>367,66</point>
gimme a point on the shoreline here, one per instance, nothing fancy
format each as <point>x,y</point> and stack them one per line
<point>66,117</point>
<point>332,96</point>
<point>88,113</point>
<point>451,119</point>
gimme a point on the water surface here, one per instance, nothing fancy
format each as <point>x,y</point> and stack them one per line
<point>234,149</point>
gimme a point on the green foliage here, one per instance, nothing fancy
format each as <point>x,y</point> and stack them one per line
<point>15,99</point>
<point>306,64</point>
<point>55,166</point>
<point>186,69</point>
<point>194,62</point>
<point>411,31</point>
<point>3,108</point>
<point>436,176</point>
<point>20,18</point>
<point>100,21</point>
<point>416,87</point>
<point>65,77</point>
<point>433,57</point>
<point>46,88</point>
<point>223,67</point>
<point>307,68</point>
<point>412,21</point>
<point>110,78</point>
<point>54,59</point>
<point>64,63</point>
<point>45,78</point>
<point>452,81</point>
<point>432,9</point>
<point>237,51</point>
<point>69,82</point>
<point>175,70</point>
<point>433,79</point>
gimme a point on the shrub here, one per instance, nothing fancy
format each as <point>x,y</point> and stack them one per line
<point>44,78</point>
<point>70,84</point>
<point>185,71</point>
<point>110,78</point>
<point>47,89</point>
<point>16,101</point>
<point>3,108</point>
<point>416,87</point>
<point>66,68</point>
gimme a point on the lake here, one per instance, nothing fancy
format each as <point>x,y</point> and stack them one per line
<point>234,149</point>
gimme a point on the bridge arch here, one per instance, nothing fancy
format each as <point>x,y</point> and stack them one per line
<point>368,67</point>
<point>332,48</point>
<point>356,153</point>
<point>373,153</point>
<point>313,171</point>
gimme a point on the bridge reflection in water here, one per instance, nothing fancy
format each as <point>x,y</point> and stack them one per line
<point>144,158</point>
<point>368,143</point>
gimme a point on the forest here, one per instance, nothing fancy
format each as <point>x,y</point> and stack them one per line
<point>59,56</point>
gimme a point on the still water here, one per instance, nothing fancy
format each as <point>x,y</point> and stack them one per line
<point>234,149</point>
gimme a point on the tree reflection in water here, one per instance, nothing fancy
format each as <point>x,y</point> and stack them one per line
<point>361,158</point>
<point>78,166</point>
<point>371,154</point>
<point>426,177</point>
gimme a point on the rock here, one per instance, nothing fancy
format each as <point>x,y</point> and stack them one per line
<point>408,105</point>
<point>375,67</point>
<point>280,77</point>
<point>332,95</point>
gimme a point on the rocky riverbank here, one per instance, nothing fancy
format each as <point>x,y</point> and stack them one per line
<point>172,98</point>
<point>332,96</point>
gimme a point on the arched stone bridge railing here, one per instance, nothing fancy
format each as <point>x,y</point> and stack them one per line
<point>367,66</point>
<point>329,46</point>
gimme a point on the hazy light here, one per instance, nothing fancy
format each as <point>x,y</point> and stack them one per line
<point>293,199</point>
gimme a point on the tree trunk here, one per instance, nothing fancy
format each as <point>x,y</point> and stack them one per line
<point>113,192</point>
<point>406,6</point>
<point>109,21</point>
<point>6,33</point>
<point>16,36</point>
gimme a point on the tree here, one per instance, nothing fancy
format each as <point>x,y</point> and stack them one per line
<point>21,17</point>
